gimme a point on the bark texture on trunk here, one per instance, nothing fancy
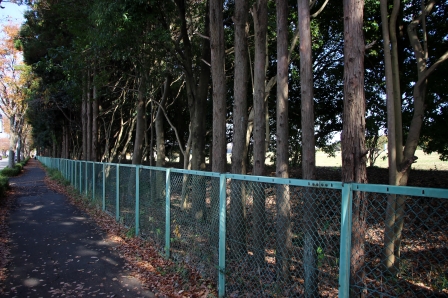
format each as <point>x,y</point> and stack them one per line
<point>141,123</point>
<point>240,84</point>
<point>197,87</point>
<point>84,117</point>
<point>389,260</point>
<point>160,132</point>
<point>89,117</point>
<point>95,128</point>
<point>310,215</point>
<point>282,160</point>
<point>12,141</point>
<point>353,134</point>
<point>218,86</point>
<point>239,148</point>
<point>399,169</point>
<point>260,14</point>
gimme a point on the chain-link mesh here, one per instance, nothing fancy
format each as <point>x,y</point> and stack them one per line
<point>98,174</point>
<point>89,181</point>
<point>71,173</point>
<point>75,173</point>
<point>127,196</point>
<point>82,177</point>
<point>66,169</point>
<point>283,241</point>
<point>111,188</point>
<point>152,206</point>
<point>62,167</point>
<point>403,252</point>
<point>194,221</point>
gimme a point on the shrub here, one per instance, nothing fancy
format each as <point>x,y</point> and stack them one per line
<point>4,185</point>
<point>8,172</point>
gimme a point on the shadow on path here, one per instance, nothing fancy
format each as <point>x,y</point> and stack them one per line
<point>56,250</point>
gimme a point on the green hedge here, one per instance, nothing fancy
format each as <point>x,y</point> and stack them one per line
<point>8,172</point>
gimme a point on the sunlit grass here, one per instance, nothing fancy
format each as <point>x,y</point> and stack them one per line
<point>424,161</point>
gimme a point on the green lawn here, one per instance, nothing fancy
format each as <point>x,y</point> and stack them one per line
<point>424,161</point>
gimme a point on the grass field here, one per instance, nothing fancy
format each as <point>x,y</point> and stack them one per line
<point>424,161</point>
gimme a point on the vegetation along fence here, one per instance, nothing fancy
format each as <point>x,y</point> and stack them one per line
<point>271,237</point>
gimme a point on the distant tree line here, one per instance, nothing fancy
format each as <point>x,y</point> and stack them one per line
<point>153,78</point>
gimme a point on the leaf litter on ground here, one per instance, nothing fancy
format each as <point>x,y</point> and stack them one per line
<point>155,272</point>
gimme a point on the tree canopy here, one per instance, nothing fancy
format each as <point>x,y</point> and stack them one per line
<point>121,47</point>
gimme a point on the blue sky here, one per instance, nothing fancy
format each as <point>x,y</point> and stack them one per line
<point>12,12</point>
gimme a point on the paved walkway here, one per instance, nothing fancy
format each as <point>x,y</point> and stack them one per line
<point>57,250</point>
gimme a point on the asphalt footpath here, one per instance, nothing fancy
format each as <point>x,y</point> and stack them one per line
<point>57,251</point>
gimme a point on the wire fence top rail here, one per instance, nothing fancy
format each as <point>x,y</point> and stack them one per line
<point>279,237</point>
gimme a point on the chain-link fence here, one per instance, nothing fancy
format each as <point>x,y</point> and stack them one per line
<point>399,245</point>
<point>194,212</point>
<point>152,201</point>
<point>271,237</point>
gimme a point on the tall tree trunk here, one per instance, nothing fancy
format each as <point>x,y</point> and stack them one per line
<point>19,130</point>
<point>398,129</point>
<point>308,152</point>
<point>160,132</point>
<point>282,160</point>
<point>419,93</point>
<point>196,92</point>
<point>84,116</point>
<point>219,86</point>
<point>267,134</point>
<point>198,128</point>
<point>404,158</point>
<point>353,134</point>
<point>389,260</point>
<point>217,62</point>
<point>260,16</point>
<point>151,138</point>
<point>95,130</point>
<point>89,117</point>
<point>141,123</point>
<point>19,147</point>
<point>197,95</point>
<point>124,150</point>
<point>239,148</point>
<point>12,141</point>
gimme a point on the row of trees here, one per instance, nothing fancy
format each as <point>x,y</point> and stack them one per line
<point>145,78</point>
<point>168,65</point>
<point>16,81</point>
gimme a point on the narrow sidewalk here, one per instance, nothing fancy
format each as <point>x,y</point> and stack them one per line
<point>56,250</point>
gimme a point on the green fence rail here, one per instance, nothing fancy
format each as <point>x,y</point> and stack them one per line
<point>272,237</point>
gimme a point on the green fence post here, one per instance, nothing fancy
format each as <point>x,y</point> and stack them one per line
<point>167,213</point>
<point>137,200</point>
<point>80,177</point>
<point>85,178</point>
<point>117,202</point>
<point>93,182</point>
<point>346,240</point>
<point>104,187</point>
<point>75,177</point>
<point>222,236</point>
